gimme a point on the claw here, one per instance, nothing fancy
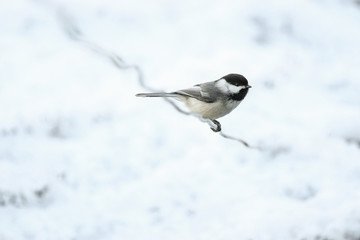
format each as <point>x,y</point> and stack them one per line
<point>218,126</point>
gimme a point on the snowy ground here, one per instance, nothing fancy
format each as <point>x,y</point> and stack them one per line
<point>82,158</point>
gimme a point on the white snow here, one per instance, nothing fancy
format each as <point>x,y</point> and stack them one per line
<point>82,158</point>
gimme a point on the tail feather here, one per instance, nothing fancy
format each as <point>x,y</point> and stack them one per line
<point>157,95</point>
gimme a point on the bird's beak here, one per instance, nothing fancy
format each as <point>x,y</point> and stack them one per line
<point>248,86</point>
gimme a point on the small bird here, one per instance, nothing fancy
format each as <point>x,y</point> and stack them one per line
<point>211,100</point>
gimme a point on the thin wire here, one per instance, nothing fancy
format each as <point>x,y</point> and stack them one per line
<point>75,34</point>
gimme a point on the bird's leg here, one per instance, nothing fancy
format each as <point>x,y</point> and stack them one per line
<point>218,126</point>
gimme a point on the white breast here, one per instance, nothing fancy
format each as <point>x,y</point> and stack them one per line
<point>211,110</point>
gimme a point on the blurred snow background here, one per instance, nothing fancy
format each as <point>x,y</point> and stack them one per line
<point>82,158</point>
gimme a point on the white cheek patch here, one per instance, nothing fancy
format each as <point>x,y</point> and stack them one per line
<point>222,85</point>
<point>234,89</point>
<point>226,87</point>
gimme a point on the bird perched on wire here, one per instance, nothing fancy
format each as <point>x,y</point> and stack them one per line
<point>211,100</point>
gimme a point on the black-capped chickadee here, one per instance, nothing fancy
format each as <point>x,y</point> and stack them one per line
<point>211,100</point>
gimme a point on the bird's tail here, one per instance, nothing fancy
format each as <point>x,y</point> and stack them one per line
<point>160,94</point>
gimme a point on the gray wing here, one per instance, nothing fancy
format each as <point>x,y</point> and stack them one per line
<point>203,92</point>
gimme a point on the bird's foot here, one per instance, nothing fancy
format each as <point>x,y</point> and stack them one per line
<point>218,126</point>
